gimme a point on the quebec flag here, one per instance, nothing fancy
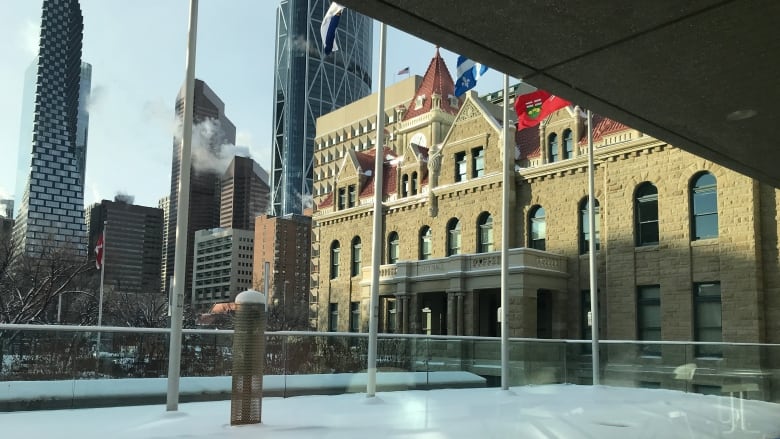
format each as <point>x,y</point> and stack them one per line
<point>469,72</point>
<point>328,29</point>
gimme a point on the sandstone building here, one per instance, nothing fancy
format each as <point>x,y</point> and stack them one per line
<point>687,249</point>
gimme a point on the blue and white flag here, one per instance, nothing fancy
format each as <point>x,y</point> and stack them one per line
<point>328,29</point>
<point>469,72</point>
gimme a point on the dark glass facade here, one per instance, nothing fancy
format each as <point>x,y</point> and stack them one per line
<point>308,85</point>
<point>244,194</point>
<point>51,211</point>
<point>211,130</point>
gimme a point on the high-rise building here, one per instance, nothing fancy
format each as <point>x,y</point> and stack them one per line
<point>132,243</point>
<point>285,244</point>
<point>244,194</point>
<point>164,204</point>
<point>51,210</point>
<point>307,85</point>
<point>223,266</point>
<point>211,130</point>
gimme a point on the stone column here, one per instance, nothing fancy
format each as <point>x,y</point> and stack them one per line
<point>522,312</point>
<point>451,313</point>
<point>405,322</point>
<point>460,313</point>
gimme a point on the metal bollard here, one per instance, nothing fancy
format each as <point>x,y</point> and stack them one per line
<point>248,359</point>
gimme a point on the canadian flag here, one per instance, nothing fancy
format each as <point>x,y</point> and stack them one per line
<point>99,252</point>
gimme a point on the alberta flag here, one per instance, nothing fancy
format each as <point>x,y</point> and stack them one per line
<point>532,107</point>
<point>469,72</point>
<point>328,29</point>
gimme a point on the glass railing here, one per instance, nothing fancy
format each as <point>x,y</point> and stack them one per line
<point>318,362</point>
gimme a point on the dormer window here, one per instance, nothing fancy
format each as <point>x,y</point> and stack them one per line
<point>453,101</point>
<point>418,103</point>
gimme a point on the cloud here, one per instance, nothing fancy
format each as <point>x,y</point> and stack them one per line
<point>30,36</point>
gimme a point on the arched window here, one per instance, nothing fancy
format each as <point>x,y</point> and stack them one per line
<point>568,145</point>
<point>584,229</point>
<point>485,233</point>
<point>404,185</point>
<point>537,233</point>
<point>414,183</point>
<point>356,247</point>
<point>335,249</point>
<point>392,248</point>
<point>646,213</point>
<point>426,243</point>
<point>453,237</point>
<point>552,148</point>
<point>704,207</point>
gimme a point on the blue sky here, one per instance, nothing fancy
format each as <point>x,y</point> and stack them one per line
<point>137,52</point>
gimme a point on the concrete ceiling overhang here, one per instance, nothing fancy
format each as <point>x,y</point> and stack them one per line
<point>687,72</point>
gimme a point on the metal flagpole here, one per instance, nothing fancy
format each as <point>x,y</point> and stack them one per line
<point>376,250</point>
<point>508,180</point>
<point>102,278</point>
<point>594,296</point>
<point>182,219</point>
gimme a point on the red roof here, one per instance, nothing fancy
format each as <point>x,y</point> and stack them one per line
<point>602,126</point>
<point>527,140</point>
<point>327,202</point>
<point>388,172</point>
<point>437,80</point>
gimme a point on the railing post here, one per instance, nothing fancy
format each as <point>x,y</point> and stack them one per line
<point>248,359</point>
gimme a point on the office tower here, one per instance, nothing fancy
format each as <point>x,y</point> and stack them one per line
<point>211,130</point>
<point>164,204</point>
<point>285,244</point>
<point>132,243</point>
<point>223,265</point>
<point>52,207</point>
<point>308,85</point>
<point>244,194</point>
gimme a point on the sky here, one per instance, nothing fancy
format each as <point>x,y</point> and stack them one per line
<point>137,51</point>
<point>556,411</point>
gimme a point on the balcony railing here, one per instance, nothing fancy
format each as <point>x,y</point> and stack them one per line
<point>306,362</point>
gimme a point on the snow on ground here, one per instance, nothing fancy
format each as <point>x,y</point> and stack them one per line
<point>549,412</point>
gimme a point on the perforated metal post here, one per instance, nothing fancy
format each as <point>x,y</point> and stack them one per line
<point>248,359</point>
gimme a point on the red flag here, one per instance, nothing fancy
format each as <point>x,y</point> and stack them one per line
<point>99,252</point>
<point>531,108</point>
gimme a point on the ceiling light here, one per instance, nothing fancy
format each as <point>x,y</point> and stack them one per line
<point>741,114</point>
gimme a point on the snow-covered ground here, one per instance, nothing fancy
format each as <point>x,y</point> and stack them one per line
<point>549,411</point>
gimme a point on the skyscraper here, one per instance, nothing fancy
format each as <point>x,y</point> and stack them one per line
<point>308,85</point>
<point>244,194</point>
<point>51,210</point>
<point>211,130</point>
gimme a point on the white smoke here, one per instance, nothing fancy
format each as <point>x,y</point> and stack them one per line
<point>209,151</point>
<point>300,45</point>
<point>97,98</point>
<point>5,193</point>
<point>30,35</point>
<point>122,197</point>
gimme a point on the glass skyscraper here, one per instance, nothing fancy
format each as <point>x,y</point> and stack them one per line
<point>307,85</point>
<point>51,211</point>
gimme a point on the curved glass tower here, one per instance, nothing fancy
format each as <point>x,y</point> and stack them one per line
<point>308,85</point>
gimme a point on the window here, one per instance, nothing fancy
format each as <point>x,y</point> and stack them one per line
<point>453,237</point>
<point>649,317</point>
<point>707,318</point>
<point>392,248</point>
<point>404,185</point>
<point>538,232</point>
<point>485,233</point>
<point>356,246</point>
<point>425,243</point>
<point>584,226</point>
<point>478,162</point>
<point>646,212</point>
<point>552,148</point>
<point>568,145</point>
<point>704,207</point>
<point>414,183</point>
<point>342,198</point>
<point>460,166</point>
<point>390,314</point>
<point>354,316</point>
<point>333,317</point>
<point>334,259</point>
<point>352,201</point>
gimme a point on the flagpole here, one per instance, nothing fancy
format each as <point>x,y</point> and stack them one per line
<point>594,297</point>
<point>376,250</point>
<point>505,194</point>
<point>102,278</point>
<point>182,219</point>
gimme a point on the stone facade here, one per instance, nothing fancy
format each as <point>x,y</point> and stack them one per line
<point>454,290</point>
